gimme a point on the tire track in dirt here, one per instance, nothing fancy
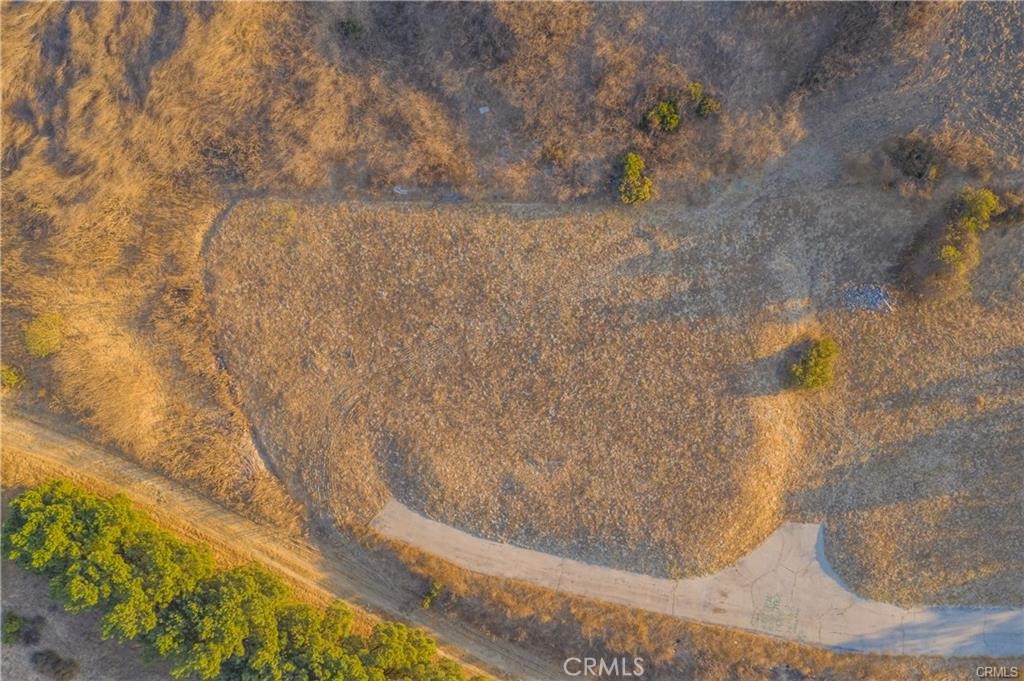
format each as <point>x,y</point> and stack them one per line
<point>323,572</point>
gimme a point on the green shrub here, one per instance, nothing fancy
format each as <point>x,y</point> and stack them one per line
<point>708,105</point>
<point>432,594</point>
<point>11,377</point>
<point>951,255</point>
<point>348,28</point>
<point>814,370</point>
<point>635,186</point>
<point>664,116</point>
<point>44,334</point>
<point>12,627</point>
<point>695,90</point>
<point>974,209</point>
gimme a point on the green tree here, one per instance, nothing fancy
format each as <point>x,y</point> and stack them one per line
<point>226,628</point>
<point>337,622</point>
<point>398,651</point>
<point>101,553</point>
<point>312,644</point>
<point>232,625</point>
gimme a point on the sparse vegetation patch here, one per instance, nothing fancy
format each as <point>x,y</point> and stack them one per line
<point>703,104</point>
<point>708,106</point>
<point>432,593</point>
<point>49,663</point>
<point>12,626</point>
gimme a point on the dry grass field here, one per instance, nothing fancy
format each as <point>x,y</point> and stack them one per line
<point>613,387</point>
<point>526,360</point>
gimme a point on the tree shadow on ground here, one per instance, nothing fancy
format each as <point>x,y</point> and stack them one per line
<point>767,375</point>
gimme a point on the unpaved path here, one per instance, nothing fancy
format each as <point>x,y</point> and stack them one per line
<point>783,588</point>
<point>323,574</point>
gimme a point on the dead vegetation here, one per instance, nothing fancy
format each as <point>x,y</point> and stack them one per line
<point>916,162</point>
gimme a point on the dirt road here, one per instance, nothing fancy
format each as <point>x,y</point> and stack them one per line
<point>321,572</point>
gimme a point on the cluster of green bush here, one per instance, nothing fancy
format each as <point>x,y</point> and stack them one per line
<point>815,368</point>
<point>12,627</point>
<point>971,214</point>
<point>665,116</point>
<point>704,104</point>
<point>240,623</point>
<point>432,594</point>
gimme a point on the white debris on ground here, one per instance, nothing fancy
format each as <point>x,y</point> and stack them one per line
<point>874,298</point>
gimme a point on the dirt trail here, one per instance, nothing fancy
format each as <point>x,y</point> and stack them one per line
<point>323,573</point>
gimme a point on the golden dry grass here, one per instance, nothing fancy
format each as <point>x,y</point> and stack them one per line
<point>524,378</point>
<point>613,386</point>
<point>128,129</point>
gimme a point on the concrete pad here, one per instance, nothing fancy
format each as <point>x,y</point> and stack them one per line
<point>783,588</point>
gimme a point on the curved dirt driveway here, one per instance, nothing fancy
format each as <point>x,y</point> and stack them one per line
<point>784,588</point>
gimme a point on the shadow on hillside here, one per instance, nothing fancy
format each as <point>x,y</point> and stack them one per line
<point>1001,633</point>
<point>944,508</point>
<point>949,460</point>
<point>998,368</point>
